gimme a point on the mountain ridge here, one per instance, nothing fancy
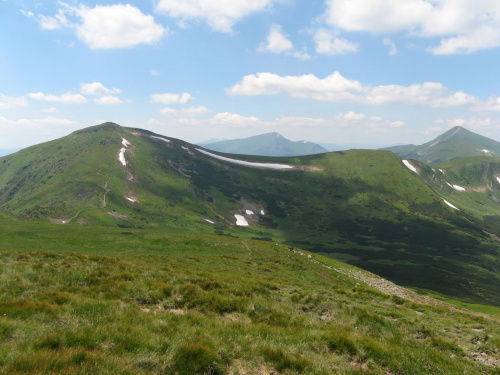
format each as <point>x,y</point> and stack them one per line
<point>456,143</point>
<point>269,144</point>
<point>362,206</point>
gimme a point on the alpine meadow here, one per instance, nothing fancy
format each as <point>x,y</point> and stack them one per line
<point>244,187</point>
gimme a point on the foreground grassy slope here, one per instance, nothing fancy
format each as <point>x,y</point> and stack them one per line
<point>113,301</point>
<point>364,207</point>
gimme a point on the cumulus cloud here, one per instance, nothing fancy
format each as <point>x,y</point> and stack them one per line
<point>108,99</point>
<point>277,42</point>
<point>336,88</point>
<point>97,88</point>
<point>187,112</point>
<point>7,102</point>
<point>102,27</point>
<point>465,26</point>
<point>328,44</point>
<point>220,15</point>
<point>50,110</point>
<point>64,98</point>
<point>169,99</point>
<point>350,116</point>
<point>232,119</point>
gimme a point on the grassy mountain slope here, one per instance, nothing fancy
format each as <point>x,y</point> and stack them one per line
<point>454,144</point>
<point>364,207</point>
<point>103,300</point>
<point>271,144</point>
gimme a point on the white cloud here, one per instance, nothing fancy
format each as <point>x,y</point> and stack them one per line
<point>390,43</point>
<point>397,124</point>
<point>220,15</point>
<point>155,72</point>
<point>108,99</point>
<point>277,42</point>
<point>492,104</point>
<point>7,102</point>
<point>169,99</point>
<point>103,27</point>
<point>328,44</point>
<point>350,116</point>
<point>465,26</point>
<point>50,110</point>
<point>97,88</point>
<point>187,112</point>
<point>64,98</point>
<point>231,119</point>
<point>336,88</point>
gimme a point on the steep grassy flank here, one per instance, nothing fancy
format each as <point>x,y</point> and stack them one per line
<point>364,207</point>
<point>114,301</point>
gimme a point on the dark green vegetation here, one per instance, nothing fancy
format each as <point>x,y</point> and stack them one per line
<point>271,144</point>
<point>107,300</point>
<point>454,144</point>
<point>363,207</point>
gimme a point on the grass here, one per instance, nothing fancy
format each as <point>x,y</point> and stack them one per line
<point>108,301</point>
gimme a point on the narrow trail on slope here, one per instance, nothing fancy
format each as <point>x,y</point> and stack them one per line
<point>104,197</point>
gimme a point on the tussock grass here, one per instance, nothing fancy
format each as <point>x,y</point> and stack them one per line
<point>208,305</point>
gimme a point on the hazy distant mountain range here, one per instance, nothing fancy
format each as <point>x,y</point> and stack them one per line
<point>270,144</point>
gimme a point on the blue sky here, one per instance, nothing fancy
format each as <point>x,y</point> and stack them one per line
<point>370,72</point>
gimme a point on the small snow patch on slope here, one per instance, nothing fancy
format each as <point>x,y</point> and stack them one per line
<point>409,166</point>
<point>121,157</point>
<point>160,138</point>
<point>486,151</point>
<point>263,213</point>
<point>210,221</point>
<point>249,212</point>
<point>125,142</point>
<point>449,204</point>
<point>241,221</point>
<point>498,179</point>
<point>459,188</point>
<point>246,163</point>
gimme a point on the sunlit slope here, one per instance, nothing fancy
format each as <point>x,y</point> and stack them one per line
<point>364,207</point>
<point>103,300</point>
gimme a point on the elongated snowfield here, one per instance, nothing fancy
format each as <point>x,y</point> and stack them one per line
<point>498,179</point>
<point>121,157</point>
<point>125,142</point>
<point>409,166</point>
<point>246,163</point>
<point>449,204</point>
<point>241,221</point>
<point>160,138</point>
<point>459,188</point>
<point>248,212</point>
<point>210,221</point>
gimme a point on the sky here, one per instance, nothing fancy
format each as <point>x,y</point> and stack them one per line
<point>365,72</point>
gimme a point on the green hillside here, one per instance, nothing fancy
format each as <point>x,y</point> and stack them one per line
<point>104,300</point>
<point>363,207</point>
<point>454,144</point>
<point>271,144</point>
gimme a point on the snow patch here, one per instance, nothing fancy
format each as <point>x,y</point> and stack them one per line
<point>486,151</point>
<point>241,221</point>
<point>160,138</point>
<point>185,148</point>
<point>246,163</point>
<point>121,157</point>
<point>459,188</point>
<point>498,179</point>
<point>131,199</point>
<point>450,185</point>
<point>249,212</point>
<point>263,213</point>
<point>409,166</point>
<point>449,204</point>
<point>125,142</point>
<point>442,171</point>
<point>210,221</point>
